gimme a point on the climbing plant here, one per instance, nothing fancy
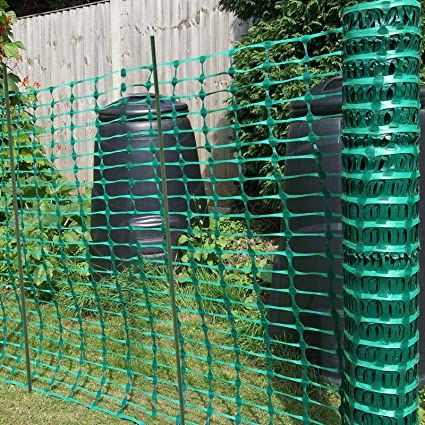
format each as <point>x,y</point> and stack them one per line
<point>49,210</point>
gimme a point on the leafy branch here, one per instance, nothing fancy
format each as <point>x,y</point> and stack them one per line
<point>52,225</point>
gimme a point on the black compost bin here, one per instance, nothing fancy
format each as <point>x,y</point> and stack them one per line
<point>126,215</point>
<point>316,185</point>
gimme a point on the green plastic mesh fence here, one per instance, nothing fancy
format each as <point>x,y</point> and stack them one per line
<point>381,211</point>
<point>253,178</point>
<point>256,346</point>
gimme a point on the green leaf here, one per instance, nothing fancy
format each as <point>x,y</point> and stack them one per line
<point>183,239</point>
<point>3,4</point>
<point>221,243</point>
<point>13,86</point>
<point>11,14</point>
<point>50,267</point>
<point>65,189</point>
<point>47,207</point>
<point>252,299</point>
<point>71,237</point>
<point>40,275</point>
<point>267,273</point>
<point>20,45</point>
<point>11,50</point>
<point>197,255</point>
<point>71,208</point>
<point>36,255</point>
<point>15,78</point>
<point>50,220</point>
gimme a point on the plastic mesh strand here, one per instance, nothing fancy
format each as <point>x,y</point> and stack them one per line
<point>256,347</point>
<point>380,209</point>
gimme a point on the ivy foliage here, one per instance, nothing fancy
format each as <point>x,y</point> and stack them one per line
<point>256,85</point>
<point>247,9</point>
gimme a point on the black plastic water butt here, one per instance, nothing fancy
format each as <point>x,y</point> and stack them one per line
<point>316,185</point>
<point>126,215</point>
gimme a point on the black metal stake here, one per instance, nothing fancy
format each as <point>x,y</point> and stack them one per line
<point>17,229</point>
<point>169,260</point>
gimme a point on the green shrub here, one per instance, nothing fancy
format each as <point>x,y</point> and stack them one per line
<point>225,242</point>
<point>53,221</point>
<point>261,82</point>
<point>247,9</point>
<point>53,218</point>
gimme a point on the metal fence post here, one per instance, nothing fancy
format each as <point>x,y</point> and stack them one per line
<point>19,258</point>
<point>115,7</point>
<point>380,211</point>
<point>167,236</point>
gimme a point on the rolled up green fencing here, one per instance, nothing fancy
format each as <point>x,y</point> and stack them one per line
<point>380,211</point>
<point>109,342</point>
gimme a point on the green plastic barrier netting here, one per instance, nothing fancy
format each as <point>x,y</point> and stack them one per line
<point>381,211</point>
<point>253,170</point>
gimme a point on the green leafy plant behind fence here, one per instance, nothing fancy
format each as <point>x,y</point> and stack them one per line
<point>253,298</point>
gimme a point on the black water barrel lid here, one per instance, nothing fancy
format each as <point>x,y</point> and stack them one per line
<point>329,105</point>
<point>138,106</point>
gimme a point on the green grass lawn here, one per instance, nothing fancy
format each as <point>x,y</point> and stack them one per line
<point>110,347</point>
<point>91,362</point>
<point>124,363</point>
<point>18,407</point>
